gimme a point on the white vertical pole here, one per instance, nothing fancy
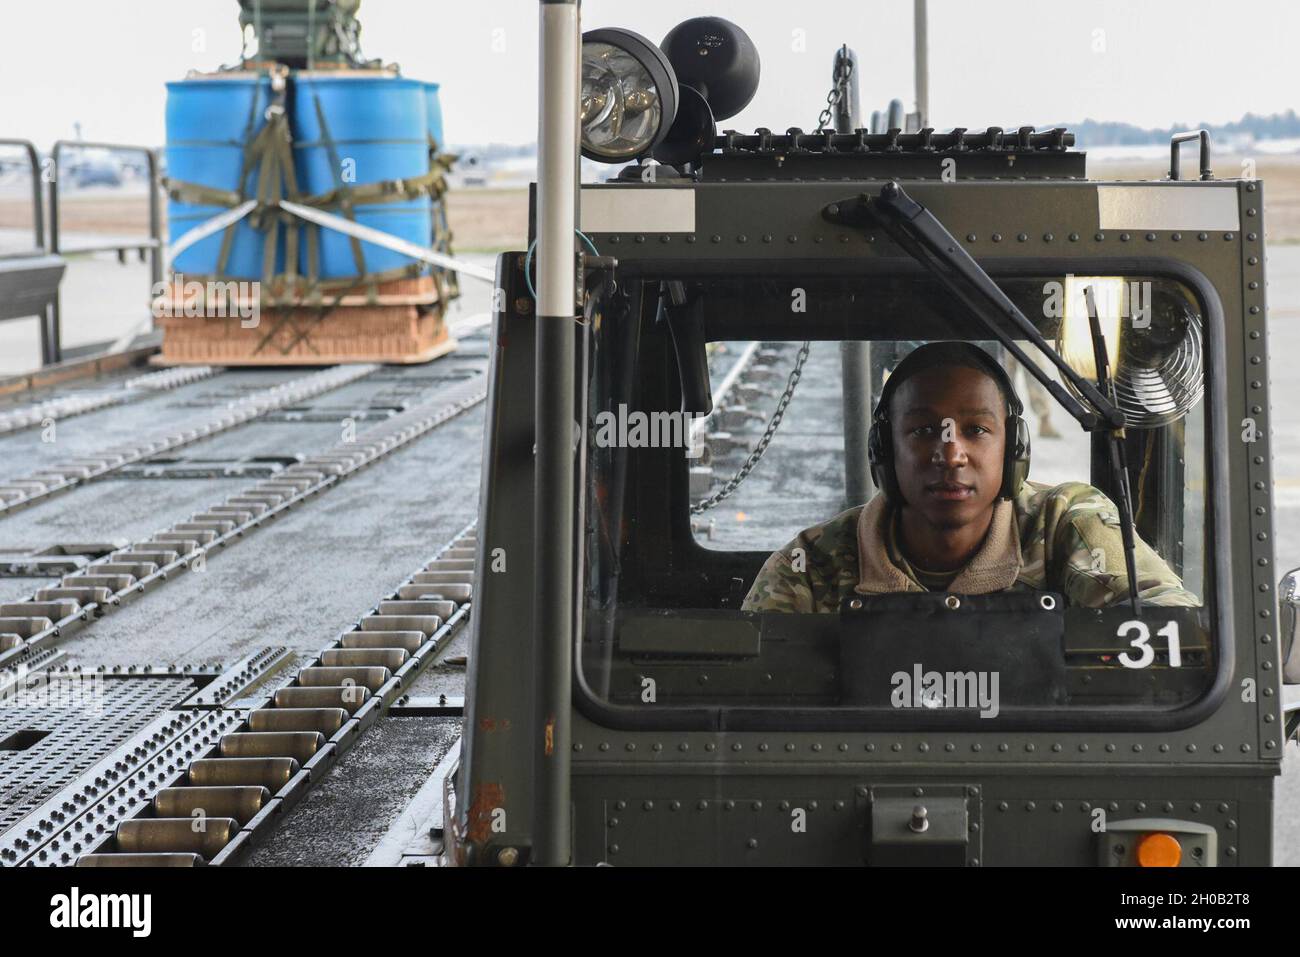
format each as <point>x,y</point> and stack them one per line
<point>920,41</point>
<point>553,503</point>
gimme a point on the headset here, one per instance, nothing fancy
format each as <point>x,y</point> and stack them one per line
<point>880,440</point>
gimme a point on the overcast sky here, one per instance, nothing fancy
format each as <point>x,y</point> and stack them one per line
<point>992,62</point>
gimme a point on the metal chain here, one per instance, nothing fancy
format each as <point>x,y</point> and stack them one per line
<point>836,94</point>
<point>832,98</point>
<point>773,424</point>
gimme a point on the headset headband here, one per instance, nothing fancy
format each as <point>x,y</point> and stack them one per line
<point>956,350</point>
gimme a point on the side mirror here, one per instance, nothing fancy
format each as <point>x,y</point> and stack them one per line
<point>1288,613</point>
<point>1288,606</point>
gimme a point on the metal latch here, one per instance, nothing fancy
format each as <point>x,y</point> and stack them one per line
<point>928,825</point>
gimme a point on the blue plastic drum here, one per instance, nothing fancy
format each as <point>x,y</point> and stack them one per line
<point>356,130</point>
<point>210,121</point>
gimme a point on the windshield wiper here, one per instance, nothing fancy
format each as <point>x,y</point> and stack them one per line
<point>1115,451</point>
<point>927,240</point>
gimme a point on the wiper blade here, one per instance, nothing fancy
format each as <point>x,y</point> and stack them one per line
<point>1115,453</point>
<point>928,241</point>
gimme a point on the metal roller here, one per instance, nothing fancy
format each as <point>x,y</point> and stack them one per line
<point>270,773</point>
<point>54,610</point>
<point>300,745</point>
<point>451,590</point>
<point>324,720</point>
<point>155,557</point>
<point>327,676</point>
<point>430,578</point>
<point>440,609</point>
<point>409,641</point>
<point>241,803</point>
<point>114,583</point>
<point>452,565</point>
<point>391,658</point>
<point>348,697</point>
<point>425,623</point>
<point>185,542</point>
<point>254,500</point>
<point>194,835</point>
<point>140,860</point>
<point>136,570</point>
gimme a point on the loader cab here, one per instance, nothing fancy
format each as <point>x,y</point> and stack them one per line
<point>739,314</point>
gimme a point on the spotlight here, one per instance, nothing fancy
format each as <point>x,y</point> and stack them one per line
<point>629,95</point>
<point>717,59</point>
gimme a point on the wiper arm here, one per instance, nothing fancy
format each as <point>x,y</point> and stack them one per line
<point>917,230</point>
<point>1115,453</point>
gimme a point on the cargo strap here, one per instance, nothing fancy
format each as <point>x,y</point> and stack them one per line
<point>432,183</point>
<point>250,124</point>
<point>272,153</point>
<point>342,189</point>
<point>205,229</point>
<point>446,281</point>
<point>380,238</point>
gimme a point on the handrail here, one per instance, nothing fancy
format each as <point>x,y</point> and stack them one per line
<point>110,247</point>
<point>38,208</point>
<point>154,243</point>
<point>1178,139</point>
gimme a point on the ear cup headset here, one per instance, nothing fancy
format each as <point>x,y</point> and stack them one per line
<point>880,440</point>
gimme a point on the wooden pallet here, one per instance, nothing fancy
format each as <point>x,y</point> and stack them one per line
<point>428,355</point>
<point>380,331</point>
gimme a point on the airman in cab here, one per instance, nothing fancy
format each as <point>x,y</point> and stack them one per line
<point>956,512</point>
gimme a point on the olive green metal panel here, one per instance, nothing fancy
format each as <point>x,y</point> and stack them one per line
<point>739,816</point>
<point>494,791</point>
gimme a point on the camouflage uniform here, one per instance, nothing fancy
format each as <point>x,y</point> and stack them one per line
<point>1063,538</point>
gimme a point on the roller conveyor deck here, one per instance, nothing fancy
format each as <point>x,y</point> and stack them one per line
<point>208,592</point>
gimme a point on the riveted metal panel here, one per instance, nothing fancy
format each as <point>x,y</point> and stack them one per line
<point>745,815</point>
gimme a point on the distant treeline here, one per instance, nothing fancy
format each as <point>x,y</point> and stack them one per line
<point>495,151</point>
<point>1088,133</point>
<point>1273,127</point>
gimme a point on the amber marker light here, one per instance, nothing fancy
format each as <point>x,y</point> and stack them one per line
<point>1159,850</point>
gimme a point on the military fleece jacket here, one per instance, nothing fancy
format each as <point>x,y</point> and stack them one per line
<point>1064,538</point>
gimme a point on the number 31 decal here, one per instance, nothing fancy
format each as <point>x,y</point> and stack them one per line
<point>1147,654</point>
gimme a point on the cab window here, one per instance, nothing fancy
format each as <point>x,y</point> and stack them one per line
<point>724,556</point>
